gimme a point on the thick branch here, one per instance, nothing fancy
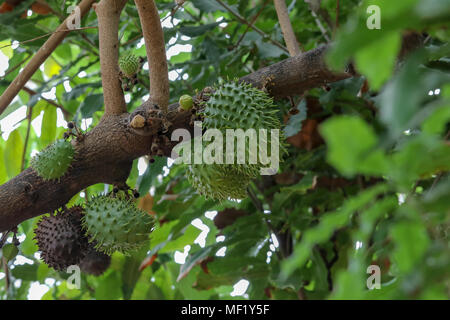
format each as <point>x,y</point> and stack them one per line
<point>156,52</point>
<point>286,27</point>
<point>107,152</point>
<point>43,53</point>
<point>295,75</point>
<point>108,13</point>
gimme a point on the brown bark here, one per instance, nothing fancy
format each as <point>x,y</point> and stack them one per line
<point>295,75</point>
<point>156,53</point>
<point>286,27</point>
<point>108,13</point>
<point>107,151</point>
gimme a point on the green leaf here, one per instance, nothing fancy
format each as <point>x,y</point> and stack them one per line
<point>145,181</point>
<point>13,154</point>
<point>189,235</point>
<point>91,104</point>
<point>26,272</point>
<point>195,31</point>
<point>9,251</point>
<point>3,174</point>
<point>51,67</point>
<point>6,48</point>
<point>352,146</point>
<point>48,129</point>
<point>207,5</point>
<point>327,226</point>
<point>294,124</point>
<point>437,121</point>
<point>377,60</point>
<point>411,242</point>
<point>109,287</point>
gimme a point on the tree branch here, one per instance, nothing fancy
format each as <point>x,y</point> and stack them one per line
<point>106,153</point>
<point>108,14</point>
<point>286,27</point>
<point>43,53</point>
<point>156,52</point>
<point>295,75</point>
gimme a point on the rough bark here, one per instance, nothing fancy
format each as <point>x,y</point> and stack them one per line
<point>156,53</point>
<point>107,151</point>
<point>286,27</point>
<point>295,75</point>
<point>108,13</point>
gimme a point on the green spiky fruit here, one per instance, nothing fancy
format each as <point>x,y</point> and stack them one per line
<point>116,224</point>
<point>129,64</point>
<point>186,102</point>
<point>53,162</point>
<point>233,105</point>
<point>60,238</point>
<point>94,262</point>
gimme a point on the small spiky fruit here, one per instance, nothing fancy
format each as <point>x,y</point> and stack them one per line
<point>129,64</point>
<point>233,105</point>
<point>53,162</point>
<point>218,181</point>
<point>116,224</point>
<point>94,262</point>
<point>60,238</point>
<point>186,102</point>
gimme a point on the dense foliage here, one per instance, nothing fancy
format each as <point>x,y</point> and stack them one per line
<point>365,181</point>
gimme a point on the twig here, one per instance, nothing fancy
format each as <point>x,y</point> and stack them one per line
<point>253,20</point>
<point>43,53</point>
<point>15,67</point>
<point>45,35</point>
<point>66,113</point>
<point>286,27</point>
<point>108,13</point>
<point>25,145</point>
<point>244,21</point>
<point>156,53</point>
<point>320,25</point>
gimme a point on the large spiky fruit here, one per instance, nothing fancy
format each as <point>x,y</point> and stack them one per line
<point>233,105</point>
<point>116,224</point>
<point>60,238</point>
<point>129,64</point>
<point>53,161</point>
<point>94,262</point>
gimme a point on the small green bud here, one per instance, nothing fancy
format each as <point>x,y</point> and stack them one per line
<point>186,102</point>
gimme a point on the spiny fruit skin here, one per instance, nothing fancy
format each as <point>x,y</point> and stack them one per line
<point>60,238</point>
<point>129,64</point>
<point>53,162</point>
<point>94,262</point>
<point>233,105</point>
<point>186,102</point>
<point>116,224</point>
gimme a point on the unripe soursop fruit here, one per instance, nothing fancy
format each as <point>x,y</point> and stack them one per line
<point>60,238</point>
<point>234,105</point>
<point>129,64</point>
<point>53,161</point>
<point>116,224</point>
